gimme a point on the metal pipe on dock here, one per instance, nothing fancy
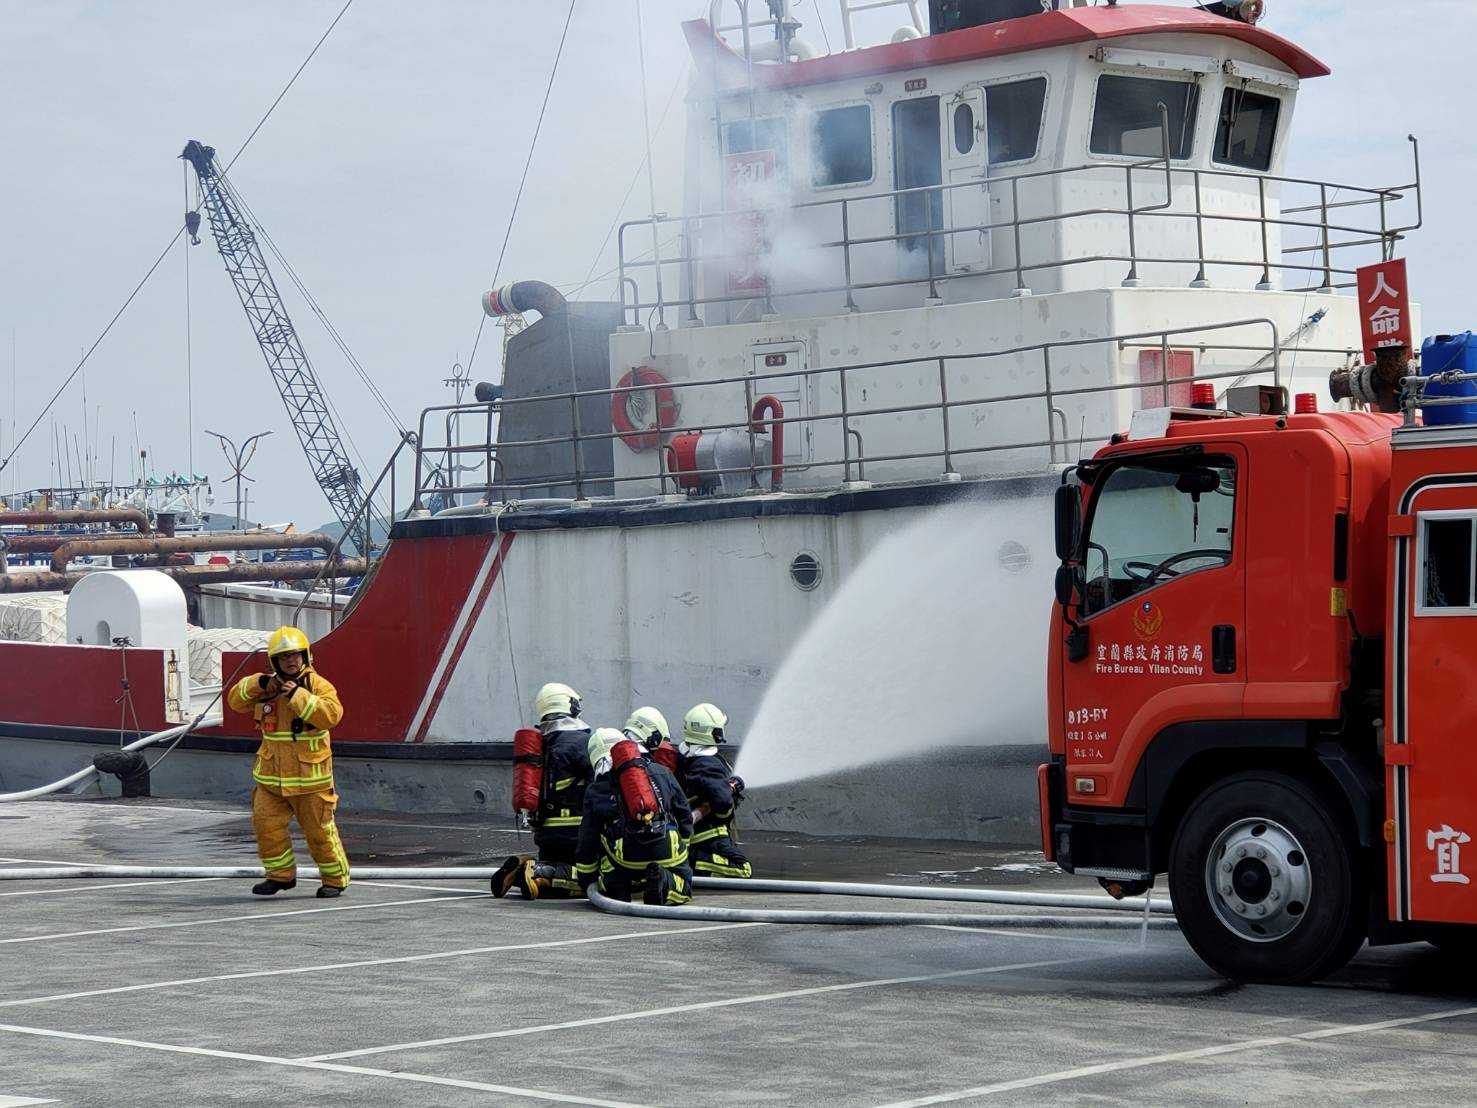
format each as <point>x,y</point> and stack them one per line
<point>244,540</point>
<point>63,517</point>
<point>241,573</point>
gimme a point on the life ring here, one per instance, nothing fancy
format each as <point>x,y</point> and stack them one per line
<point>638,426</point>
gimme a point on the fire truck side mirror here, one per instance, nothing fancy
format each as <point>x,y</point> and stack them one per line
<point>1068,521</point>
<point>1066,579</point>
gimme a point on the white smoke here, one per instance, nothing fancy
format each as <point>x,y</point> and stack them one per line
<point>937,639</point>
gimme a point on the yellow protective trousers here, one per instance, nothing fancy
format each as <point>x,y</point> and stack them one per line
<point>271,812</point>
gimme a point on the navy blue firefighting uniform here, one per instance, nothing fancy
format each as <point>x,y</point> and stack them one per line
<point>623,857</point>
<point>556,823</point>
<point>712,852</point>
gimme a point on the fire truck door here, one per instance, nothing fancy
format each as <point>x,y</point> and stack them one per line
<point>1431,737</point>
<point>1163,605</point>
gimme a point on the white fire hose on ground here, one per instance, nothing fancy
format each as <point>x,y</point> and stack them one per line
<point>1098,914</point>
<point>1116,917</point>
<point>91,771</point>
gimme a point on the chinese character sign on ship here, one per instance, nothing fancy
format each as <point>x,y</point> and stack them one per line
<point>1384,306</point>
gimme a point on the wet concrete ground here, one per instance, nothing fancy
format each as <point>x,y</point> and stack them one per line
<point>117,992</point>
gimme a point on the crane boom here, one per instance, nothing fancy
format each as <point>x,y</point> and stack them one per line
<point>298,384</point>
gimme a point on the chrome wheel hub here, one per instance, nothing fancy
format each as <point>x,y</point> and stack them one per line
<point>1258,880</point>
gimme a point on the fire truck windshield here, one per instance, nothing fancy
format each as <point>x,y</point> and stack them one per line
<point>1153,521</point>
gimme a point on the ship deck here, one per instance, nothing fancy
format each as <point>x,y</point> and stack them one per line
<point>195,992</point>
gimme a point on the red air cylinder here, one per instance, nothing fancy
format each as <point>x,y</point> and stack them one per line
<point>665,755</point>
<point>528,768</point>
<point>638,794</point>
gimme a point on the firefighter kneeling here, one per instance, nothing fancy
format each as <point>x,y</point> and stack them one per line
<point>633,837</point>
<point>550,773</point>
<point>713,790</point>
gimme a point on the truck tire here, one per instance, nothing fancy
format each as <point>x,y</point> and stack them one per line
<point>1268,886</point>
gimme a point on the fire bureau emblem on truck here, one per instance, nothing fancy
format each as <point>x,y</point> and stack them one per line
<point>1260,674</point>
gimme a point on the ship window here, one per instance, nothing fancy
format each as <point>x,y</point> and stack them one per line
<point>1013,119</point>
<point>963,128</point>
<point>842,146</point>
<point>1125,119</point>
<point>744,137</point>
<point>1154,522</point>
<point>1247,127</point>
<point>1447,559</point>
<point>917,156</point>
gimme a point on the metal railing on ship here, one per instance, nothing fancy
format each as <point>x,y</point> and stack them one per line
<point>1329,220</point>
<point>1051,438</point>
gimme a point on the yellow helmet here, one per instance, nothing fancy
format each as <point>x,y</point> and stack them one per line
<point>555,699</point>
<point>703,725</point>
<point>601,743</point>
<point>648,727</point>
<point>288,640</point>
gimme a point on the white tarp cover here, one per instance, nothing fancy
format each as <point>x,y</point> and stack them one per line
<point>208,643</point>
<point>34,617</point>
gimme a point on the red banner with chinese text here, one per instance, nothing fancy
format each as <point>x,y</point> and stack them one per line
<point>1384,306</point>
<point>746,176</point>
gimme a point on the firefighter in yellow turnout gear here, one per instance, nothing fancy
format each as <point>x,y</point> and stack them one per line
<point>294,707</point>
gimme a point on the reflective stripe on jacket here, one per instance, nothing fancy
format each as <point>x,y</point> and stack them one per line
<point>606,840</point>
<point>296,755</point>
<point>705,779</point>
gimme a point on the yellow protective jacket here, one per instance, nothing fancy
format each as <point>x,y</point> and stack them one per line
<point>296,756</point>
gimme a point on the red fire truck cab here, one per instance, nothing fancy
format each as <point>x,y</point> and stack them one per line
<point>1261,680</point>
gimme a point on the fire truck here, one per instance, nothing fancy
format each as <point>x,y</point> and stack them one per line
<point>1262,672</point>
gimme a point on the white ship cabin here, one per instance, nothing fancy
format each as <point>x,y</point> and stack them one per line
<point>1003,157</point>
<point>972,248</point>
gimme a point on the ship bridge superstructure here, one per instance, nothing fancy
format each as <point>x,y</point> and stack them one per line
<point>1072,149</point>
<point>973,249</point>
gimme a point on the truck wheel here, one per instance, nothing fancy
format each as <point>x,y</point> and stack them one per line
<point>1266,885</point>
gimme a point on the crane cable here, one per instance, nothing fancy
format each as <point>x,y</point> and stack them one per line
<point>15,446</point>
<point>590,278</point>
<point>333,332</point>
<point>518,196</point>
<point>340,423</point>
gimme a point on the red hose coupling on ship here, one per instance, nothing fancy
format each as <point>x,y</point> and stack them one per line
<point>638,794</point>
<point>528,768</point>
<point>771,406</point>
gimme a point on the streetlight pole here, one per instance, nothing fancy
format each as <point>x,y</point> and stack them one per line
<point>238,461</point>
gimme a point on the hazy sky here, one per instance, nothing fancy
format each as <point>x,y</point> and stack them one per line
<point>387,174</point>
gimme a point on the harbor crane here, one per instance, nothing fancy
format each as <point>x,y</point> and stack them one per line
<point>298,384</point>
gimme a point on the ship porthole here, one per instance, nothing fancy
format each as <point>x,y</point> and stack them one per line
<point>1013,556</point>
<point>805,571</point>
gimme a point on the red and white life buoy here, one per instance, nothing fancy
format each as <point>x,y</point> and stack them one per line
<point>637,424</point>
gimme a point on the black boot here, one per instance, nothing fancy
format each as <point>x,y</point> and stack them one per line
<point>506,876</point>
<point>271,888</point>
<point>326,892</point>
<point>654,887</point>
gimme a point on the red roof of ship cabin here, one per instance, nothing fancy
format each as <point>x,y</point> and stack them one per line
<point>1011,36</point>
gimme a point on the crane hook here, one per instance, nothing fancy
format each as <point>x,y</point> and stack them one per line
<point>192,227</point>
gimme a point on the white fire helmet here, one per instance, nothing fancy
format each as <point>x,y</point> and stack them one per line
<point>703,725</point>
<point>648,727</point>
<point>555,700</point>
<point>601,743</point>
